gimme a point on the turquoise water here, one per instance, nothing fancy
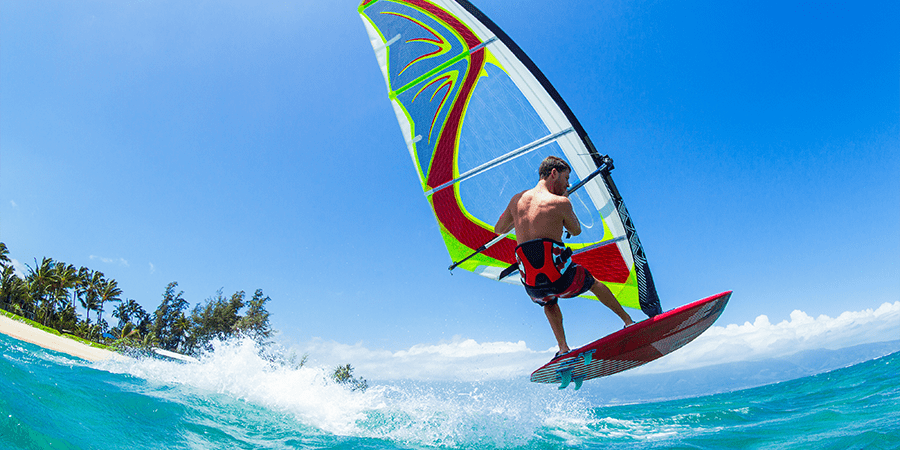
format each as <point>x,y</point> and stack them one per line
<point>234,399</point>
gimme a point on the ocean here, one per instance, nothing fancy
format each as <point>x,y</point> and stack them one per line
<point>233,399</point>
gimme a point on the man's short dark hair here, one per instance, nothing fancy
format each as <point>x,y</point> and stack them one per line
<point>552,162</point>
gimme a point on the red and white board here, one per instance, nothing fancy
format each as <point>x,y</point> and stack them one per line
<point>634,346</point>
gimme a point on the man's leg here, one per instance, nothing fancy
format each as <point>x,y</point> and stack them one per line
<point>554,315</point>
<point>607,298</point>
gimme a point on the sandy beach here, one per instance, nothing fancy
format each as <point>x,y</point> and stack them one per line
<point>27,333</point>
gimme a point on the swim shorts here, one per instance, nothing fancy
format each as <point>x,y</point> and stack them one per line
<point>548,272</point>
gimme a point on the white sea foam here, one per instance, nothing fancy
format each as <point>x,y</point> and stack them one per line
<point>236,369</point>
<point>430,413</point>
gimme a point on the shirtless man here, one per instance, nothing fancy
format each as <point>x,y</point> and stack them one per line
<point>539,216</point>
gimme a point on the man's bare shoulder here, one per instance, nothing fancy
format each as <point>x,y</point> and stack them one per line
<point>515,198</point>
<point>554,200</point>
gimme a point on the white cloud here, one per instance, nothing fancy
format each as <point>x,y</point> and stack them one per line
<point>152,269</point>
<point>19,268</point>
<point>762,340</point>
<point>13,204</point>
<point>460,359</point>
<point>467,360</point>
<point>119,261</point>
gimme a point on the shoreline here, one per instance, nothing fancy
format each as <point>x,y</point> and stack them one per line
<point>41,338</point>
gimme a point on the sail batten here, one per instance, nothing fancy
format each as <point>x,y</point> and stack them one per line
<point>502,159</point>
<point>478,117</point>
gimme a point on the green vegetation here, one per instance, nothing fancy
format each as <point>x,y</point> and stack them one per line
<point>48,294</point>
<point>344,375</point>
<point>53,331</point>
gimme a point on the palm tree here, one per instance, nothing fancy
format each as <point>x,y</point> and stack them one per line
<point>40,279</point>
<point>14,292</point>
<point>109,292</point>
<point>6,281</point>
<point>8,275</point>
<point>129,330</point>
<point>4,255</point>
<point>81,283</point>
<point>179,330</point>
<point>92,283</point>
<point>129,312</point>
<point>123,313</point>
<point>65,278</point>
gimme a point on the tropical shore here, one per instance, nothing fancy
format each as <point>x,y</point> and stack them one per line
<point>27,333</point>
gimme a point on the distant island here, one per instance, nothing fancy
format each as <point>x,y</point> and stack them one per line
<point>48,294</point>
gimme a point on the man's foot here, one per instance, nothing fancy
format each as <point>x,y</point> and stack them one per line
<point>562,353</point>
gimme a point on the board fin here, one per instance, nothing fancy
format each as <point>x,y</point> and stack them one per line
<point>588,356</point>
<point>565,376</point>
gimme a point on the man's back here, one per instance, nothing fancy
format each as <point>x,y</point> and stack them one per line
<point>541,212</point>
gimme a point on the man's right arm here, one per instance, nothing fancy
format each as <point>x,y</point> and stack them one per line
<point>570,220</point>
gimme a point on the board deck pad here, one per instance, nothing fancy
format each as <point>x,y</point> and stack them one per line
<point>633,346</point>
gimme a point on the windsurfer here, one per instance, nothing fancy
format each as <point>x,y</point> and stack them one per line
<point>539,216</point>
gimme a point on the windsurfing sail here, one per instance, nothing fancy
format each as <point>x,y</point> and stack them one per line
<point>478,117</point>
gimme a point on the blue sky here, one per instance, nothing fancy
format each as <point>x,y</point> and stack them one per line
<point>242,146</point>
